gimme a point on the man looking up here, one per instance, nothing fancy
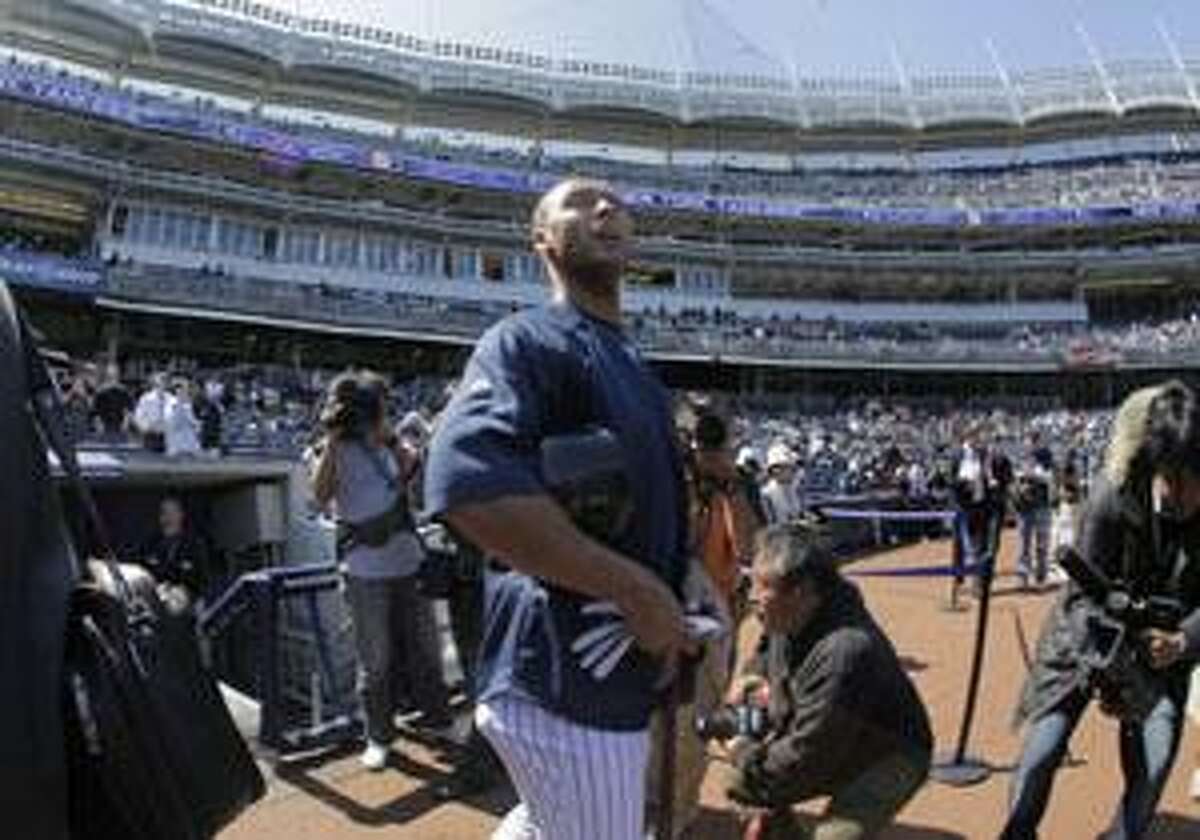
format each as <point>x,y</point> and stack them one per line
<point>570,727</point>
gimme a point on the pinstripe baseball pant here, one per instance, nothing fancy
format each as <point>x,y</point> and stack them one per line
<point>575,783</point>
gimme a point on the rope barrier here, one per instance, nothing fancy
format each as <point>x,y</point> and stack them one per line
<point>893,515</point>
<point>968,570</point>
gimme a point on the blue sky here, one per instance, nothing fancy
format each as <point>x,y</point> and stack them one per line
<point>820,37</point>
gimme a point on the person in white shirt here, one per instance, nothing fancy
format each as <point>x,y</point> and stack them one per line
<point>150,415</point>
<point>918,482</point>
<point>181,429</point>
<point>779,499</point>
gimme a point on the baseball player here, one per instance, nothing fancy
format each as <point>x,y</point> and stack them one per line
<point>578,635</point>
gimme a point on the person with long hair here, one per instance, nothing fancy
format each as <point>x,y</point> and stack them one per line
<point>1140,529</point>
<point>364,476</point>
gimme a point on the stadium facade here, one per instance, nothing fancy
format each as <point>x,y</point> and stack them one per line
<point>240,162</point>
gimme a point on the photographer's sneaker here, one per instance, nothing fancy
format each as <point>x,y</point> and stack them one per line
<point>375,756</point>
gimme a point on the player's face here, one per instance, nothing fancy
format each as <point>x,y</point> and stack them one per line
<point>588,234</point>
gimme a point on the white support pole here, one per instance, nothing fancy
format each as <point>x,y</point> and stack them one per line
<point>1177,59</point>
<point>1098,64</point>
<point>905,86</point>
<point>1011,89</point>
<point>801,109</point>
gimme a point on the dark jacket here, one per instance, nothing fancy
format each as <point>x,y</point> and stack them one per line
<point>209,415</point>
<point>998,476</point>
<point>36,576</point>
<point>182,561</point>
<point>1118,536</point>
<point>840,703</point>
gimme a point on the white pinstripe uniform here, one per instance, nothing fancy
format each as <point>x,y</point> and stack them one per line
<point>543,648</point>
<point>575,783</point>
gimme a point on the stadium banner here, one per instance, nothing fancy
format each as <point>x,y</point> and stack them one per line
<point>58,274</point>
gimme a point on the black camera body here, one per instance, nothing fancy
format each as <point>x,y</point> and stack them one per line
<point>1122,676</point>
<point>746,719</point>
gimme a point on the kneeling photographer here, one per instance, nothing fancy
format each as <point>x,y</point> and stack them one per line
<point>365,474</point>
<point>1127,628</point>
<point>841,719</point>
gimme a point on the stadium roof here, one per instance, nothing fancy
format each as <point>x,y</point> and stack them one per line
<point>809,64</point>
<point>811,38</point>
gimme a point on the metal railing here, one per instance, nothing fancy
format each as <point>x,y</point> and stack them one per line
<point>463,321</point>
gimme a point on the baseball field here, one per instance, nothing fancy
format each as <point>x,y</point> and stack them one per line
<point>330,797</point>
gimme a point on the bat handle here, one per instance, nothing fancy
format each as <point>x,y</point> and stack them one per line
<point>665,827</point>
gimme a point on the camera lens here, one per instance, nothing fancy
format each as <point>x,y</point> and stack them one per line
<point>721,725</point>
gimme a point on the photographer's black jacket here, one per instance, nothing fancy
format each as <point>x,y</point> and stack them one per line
<point>1119,537</point>
<point>840,703</point>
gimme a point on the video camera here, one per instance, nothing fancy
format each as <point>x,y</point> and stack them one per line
<point>747,719</point>
<point>1127,685</point>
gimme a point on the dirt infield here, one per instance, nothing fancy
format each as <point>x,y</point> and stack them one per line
<point>335,800</point>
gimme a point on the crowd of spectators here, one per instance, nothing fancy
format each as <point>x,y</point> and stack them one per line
<point>727,331</point>
<point>867,446</point>
<point>1113,179</point>
<point>719,330</point>
<point>186,411</point>
<point>902,448</point>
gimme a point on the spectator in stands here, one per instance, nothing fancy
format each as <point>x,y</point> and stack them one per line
<point>207,408</point>
<point>364,478</point>
<point>781,502</point>
<point>180,426</point>
<point>78,406</point>
<point>916,481</point>
<point>112,405</point>
<point>983,475</point>
<point>150,416</point>
<point>1064,526</point>
<point>176,555</point>
<point>1032,504</point>
<point>749,466</point>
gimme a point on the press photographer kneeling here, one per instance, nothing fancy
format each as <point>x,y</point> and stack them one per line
<point>842,718</point>
<point>1127,629</point>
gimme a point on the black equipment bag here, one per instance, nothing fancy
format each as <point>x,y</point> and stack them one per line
<point>153,753</point>
<point>36,578</point>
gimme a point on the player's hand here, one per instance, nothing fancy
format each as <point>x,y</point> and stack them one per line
<point>655,618</point>
<point>1165,647</point>
<point>750,683</point>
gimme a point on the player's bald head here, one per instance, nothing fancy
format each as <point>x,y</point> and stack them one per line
<point>557,195</point>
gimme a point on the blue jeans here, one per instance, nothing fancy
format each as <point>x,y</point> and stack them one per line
<point>1148,751</point>
<point>1034,528</point>
<point>396,641</point>
<point>976,537</point>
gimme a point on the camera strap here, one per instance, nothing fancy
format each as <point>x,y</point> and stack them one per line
<point>377,529</point>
